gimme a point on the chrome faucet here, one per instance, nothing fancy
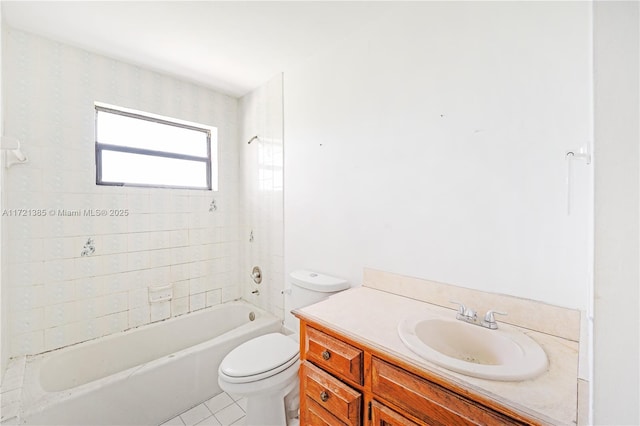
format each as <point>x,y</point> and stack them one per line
<point>489,320</point>
<point>464,313</point>
<point>469,315</point>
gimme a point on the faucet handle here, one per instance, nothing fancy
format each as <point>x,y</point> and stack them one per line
<point>465,311</point>
<point>490,320</point>
<point>461,307</point>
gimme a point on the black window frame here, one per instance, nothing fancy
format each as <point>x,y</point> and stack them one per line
<point>100,147</point>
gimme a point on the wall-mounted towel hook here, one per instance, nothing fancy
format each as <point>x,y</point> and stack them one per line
<point>14,154</point>
<point>570,156</point>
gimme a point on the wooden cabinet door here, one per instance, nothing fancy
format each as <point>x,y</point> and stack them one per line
<point>384,416</point>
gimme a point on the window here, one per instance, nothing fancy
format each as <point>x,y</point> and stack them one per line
<point>137,149</point>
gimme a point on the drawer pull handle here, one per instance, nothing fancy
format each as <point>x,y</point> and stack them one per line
<point>324,396</point>
<point>326,355</point>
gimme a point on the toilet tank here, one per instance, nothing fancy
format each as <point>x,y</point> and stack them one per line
<point>307,288</point>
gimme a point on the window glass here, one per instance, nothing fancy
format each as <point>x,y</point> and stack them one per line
<point>143,150</point>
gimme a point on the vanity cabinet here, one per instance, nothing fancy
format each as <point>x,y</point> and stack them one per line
<point>345,382</point>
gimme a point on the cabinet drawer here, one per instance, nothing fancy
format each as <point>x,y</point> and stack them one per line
<point>318,416</point>
<point>384,416</point>
<point>336,356</point>
<point>428,401</point>
<point>331,394</point>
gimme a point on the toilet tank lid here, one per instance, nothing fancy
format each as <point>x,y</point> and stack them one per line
<point>318,282</point>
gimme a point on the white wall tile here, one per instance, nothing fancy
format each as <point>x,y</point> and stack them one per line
<point>61,248</point>
<point>27,321</point>
<point>27,297</point>
<point>26,274</point>
<point>214,297</point>
<point>89,266</point>
<point>179,306</point>
<point>138,241</point>
<point>86,288</point>
<point>198,285</point>
<point>112,243</point>
<point>58,337</point>
<point>56,315</point>
<point>138,203</point>
<point>181,288</point>
<point>26,250</point>
<point>179,272</point>
<point>160,311</point>
<point>159,240</point>
<point>179,238</point>
<point>181,255</point>
<point>60,292</point>
<point>230,293</point>
<point>28,343</point>
<point>138,260</point>
<point>139,316</point>
<point>115,263</point>
<point>138,298</point>
<point>114,323</point>
<point>197,301</point>
<point>114,303</point>
<point>157,276</point>
<point>86,330</point>
<point>88,309</point>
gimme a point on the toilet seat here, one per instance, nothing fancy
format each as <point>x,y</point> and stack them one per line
<point>259,358</point>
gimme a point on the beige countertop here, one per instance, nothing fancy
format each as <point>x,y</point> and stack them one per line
<point>372,316</point>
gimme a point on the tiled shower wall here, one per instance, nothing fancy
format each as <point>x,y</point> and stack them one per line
<point>186,238</point>
<point>262,191</point>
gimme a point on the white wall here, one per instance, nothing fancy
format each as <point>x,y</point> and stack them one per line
<point>260,113</point>
<point>57,297</point>
<point>617,214</point>
<point>432,144</point>
<point>4,305</point>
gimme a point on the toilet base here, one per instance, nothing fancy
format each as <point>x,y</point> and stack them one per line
<point>270,409</point>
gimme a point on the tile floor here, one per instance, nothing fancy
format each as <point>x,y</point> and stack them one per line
<point>221,410</point>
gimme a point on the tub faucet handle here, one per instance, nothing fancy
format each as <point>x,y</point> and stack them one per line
<point>256,274</point>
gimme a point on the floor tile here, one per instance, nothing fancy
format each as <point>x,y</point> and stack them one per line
<point>230,414</point>
<point>195,415</point>
<point>209,421</point>
<point>227,410</point>
<point>219,402</point>
<point>242,402</point>
<point>176,421</point>
<point>234,397</point>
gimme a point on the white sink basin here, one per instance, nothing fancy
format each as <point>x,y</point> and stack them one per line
<point>502,354</point>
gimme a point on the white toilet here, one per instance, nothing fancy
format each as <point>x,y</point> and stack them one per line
<point>265,369</point>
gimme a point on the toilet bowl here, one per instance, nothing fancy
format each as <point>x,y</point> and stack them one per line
<point>264,370</point>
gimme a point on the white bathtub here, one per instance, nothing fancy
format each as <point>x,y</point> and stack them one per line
<point>143,376</point>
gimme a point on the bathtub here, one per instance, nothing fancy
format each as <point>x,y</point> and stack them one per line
<point>142,376</point>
